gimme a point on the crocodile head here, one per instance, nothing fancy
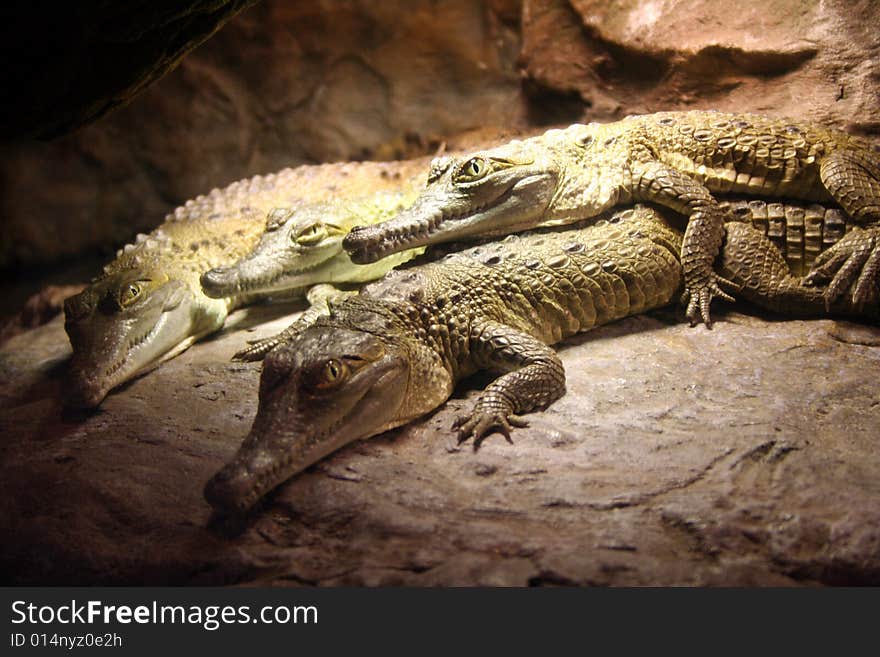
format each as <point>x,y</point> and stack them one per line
<point>487,193</point>
<point>127,322</point>
<point>301,246</point>
<point>556,178</point>
<point>333,383</point>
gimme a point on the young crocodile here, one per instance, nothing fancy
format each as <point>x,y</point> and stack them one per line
<point>148,304</point>
<point>394,352</point>
<point>799,232</point>
<point>674,159</point>
<point>302,246</point>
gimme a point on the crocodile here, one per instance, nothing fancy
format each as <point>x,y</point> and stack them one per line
<point>799,232</point>
<point>148,305</point>
<point>302,246</point>
<point>395,351</point>
<point>674,159</point>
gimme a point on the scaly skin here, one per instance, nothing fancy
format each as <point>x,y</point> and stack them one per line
<point>755,265</point>
<point>148,304</point>
<point>395,352</point>
<point>799,232</point>
<point>855,258</point>
<point>675,159</point>
<point>820,244</point>
<point>302,246</point>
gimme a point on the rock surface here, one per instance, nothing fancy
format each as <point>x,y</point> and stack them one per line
<point>290,82</point>
<point>808,59</point>
<point>745,455</point>
<point>38,309</point>
<point>284,83</point>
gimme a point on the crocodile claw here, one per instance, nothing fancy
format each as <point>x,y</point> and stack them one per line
<point>482,423</point>
<point>698,298</point>
<point>257,350</point>
<point>855,259</point>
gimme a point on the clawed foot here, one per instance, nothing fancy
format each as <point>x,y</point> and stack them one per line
<point>854,259</point>
<point>699,297</point>
<point>482,422</point>
<point>257,350</point>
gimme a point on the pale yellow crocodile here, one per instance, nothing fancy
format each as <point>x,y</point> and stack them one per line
<point>148,305</point>
<point>675,159</point>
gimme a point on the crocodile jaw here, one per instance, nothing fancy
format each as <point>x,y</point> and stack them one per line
<point>295,426</point>
<point>275,266</point>
<point>259,277</point>
<point>111,348</point>
<point>446,215</point>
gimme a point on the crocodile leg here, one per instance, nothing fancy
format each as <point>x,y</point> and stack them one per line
<point>853,179</point>
<point>534,378</point>
<point>854,259</point>
<point>659,183</point>
<point>257,349</point>
<point>319,297</point>
<point>751,261</point>
<point>866,287</point>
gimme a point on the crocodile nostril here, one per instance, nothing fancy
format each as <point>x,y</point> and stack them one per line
<point>215,281</point>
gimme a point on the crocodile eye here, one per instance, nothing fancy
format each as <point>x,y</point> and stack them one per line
<point>333,373</point>
<point>129,293</point>
<point>474,169</point>
<point>310,235</point>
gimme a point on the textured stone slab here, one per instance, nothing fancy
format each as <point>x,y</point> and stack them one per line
<point>806,59</point>
<point>749,454</point>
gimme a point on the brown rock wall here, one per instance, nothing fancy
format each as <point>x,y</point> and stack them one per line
<point>66,64</point>
<point>799,58</point>
<point>283,83</point>
<point>290,82</point>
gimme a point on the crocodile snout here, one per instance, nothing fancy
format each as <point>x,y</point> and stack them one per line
<point>220,282</point>
<point>361,243</point>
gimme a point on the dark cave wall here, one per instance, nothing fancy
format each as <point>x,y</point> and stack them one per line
<point>291,82</point>
<point>66,64</point>
<point>284,83</point>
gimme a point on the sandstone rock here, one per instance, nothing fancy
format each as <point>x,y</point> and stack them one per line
<point>285,83</point>
<point>744,455</point>
<point>38,309</point>
<point>799,58</point>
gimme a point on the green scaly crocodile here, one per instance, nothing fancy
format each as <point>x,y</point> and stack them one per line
<point>395,352</point>
<point>674,159</point>
<point>302,246</point>
<point>148,305</point>
<point>800,233</point>
<point>301,249</point>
